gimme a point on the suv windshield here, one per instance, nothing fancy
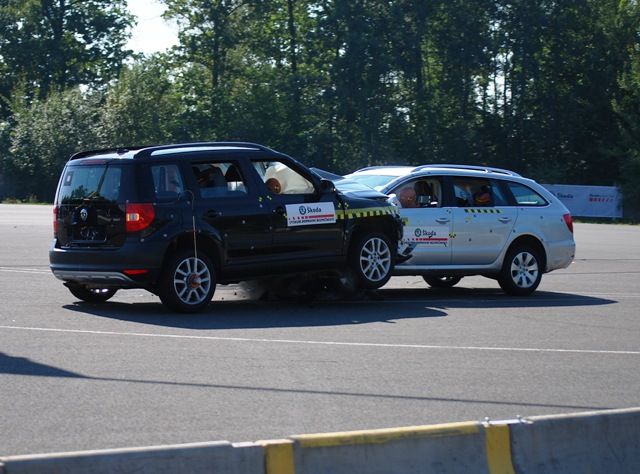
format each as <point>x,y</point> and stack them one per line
<point>100,182</point>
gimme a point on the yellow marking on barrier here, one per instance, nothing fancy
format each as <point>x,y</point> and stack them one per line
<point>278,456</point>
<point>351,438</point>
<point>498,444</point>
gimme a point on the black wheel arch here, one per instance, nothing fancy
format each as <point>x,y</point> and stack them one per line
<point>211,245</point>
<point>383,224</point>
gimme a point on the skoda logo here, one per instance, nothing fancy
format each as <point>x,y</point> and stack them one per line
<point>418,232</point>
<point>303,210</point>
<point>84,214</point>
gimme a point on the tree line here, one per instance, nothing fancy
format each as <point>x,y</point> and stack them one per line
<point>548,88</point>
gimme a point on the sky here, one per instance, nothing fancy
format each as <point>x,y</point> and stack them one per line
<point>152,33</point>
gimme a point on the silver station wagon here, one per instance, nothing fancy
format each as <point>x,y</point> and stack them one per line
<point>468,220</point>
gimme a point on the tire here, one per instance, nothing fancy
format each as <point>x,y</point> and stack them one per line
<point>442,282</point>
<point>371,261</point>
<point>187,284</point>
<point>521,271</point>
<point>92,295</point>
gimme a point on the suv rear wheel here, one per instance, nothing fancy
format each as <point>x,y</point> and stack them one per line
<point>442,282</point>
<point>92,295</point>
<point>521,272</point>
<point>188,283</point>
<point>372,260</point>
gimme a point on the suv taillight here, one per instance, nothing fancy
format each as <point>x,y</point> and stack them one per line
<point>568,221</point>
<point>139,216</point>
<point>55,221</point>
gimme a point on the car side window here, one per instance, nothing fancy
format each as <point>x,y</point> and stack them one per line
<point>525,196</point>
<point>477,192</point>
<point>425,192</point>
<point>281,179</point>
<point>167,180</point>
<point>218,179</point>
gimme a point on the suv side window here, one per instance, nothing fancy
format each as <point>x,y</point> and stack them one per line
<point>525,196</point>
<point>281,179</point>
<point>218,179</point>
<point>167,180</point>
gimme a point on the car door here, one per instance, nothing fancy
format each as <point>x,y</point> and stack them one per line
<point>482,220</point>
<point>303,217</point>
<point>427,222</point>
<point>229,207</point>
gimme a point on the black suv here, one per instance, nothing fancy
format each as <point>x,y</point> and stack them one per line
<point>178,219</point>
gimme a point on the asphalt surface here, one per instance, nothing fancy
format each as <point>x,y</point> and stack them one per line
<point>129,373</point>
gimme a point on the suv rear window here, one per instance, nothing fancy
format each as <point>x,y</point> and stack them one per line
<point>101,182</point>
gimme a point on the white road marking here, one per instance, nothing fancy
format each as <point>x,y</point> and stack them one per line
<point>25,270</point>
<point>324,343</point>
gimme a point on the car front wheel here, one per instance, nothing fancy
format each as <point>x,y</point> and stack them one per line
<point>188,282</point>
<point>92,295</point>
<point>372,260</point>
<point>521,271</point>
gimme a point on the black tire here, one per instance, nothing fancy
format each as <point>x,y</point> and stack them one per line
<point>521,271</point>
<point>371,260</point>
<point>442,282</point>
<point>92,295</point>
<point>187,284</point>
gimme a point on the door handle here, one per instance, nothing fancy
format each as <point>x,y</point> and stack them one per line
<point>212,214</point>
<point>442,220</point>
<point>504,219</point>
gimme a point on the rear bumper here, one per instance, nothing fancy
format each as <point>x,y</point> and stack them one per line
<point>105,267</point>
<point>560,254</point>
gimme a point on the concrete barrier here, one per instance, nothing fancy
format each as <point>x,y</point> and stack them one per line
<point>451,448</point>
<point>593,442</point>
<point>217,457</point>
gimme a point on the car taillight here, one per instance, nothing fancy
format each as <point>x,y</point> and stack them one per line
<point>568,221</point>
<point>139,216</point>
<point>55,221</point>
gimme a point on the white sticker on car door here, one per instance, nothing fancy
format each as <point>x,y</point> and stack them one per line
<point>426,235</point>
<point>311,213</point>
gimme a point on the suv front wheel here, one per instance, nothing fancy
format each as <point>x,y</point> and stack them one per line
<point>521,271</point>
<point>188,282</point>
<point>372,260</point>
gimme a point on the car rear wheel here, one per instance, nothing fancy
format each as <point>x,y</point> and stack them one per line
<point>521,271</point>
<point>188,283</point>
<point>92,295</point>
<point>442,282</point>
<point>372,260</point>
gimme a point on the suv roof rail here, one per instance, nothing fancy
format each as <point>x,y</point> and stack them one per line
<point>148,151</point>
<point>485,169</point>
<point>119,150</point>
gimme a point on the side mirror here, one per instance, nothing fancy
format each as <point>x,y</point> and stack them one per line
<point>327,186</point>
<point>393,200</point>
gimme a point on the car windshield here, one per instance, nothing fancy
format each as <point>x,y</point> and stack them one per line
<point>343,184</point>
<point>375,181</point>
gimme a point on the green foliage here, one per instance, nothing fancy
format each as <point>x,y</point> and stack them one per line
<point>550,89</point>
<point>46,133</point>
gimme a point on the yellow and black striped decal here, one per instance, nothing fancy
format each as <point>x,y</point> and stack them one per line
<point>366,212</point>
<point>482,210</point>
